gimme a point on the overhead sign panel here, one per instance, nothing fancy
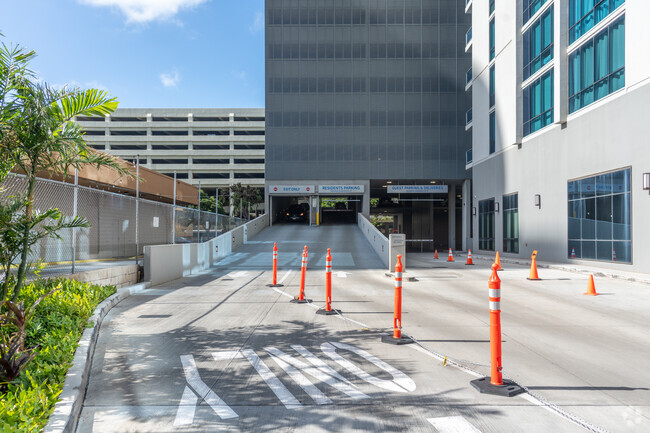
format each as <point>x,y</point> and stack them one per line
<point>291,189</point>
<point>417,189</point>
<point>341,189</point>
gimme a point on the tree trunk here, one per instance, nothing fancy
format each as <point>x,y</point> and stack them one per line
<point>20,276</point>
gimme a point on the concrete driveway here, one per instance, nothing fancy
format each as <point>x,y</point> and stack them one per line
<point>224,352</point>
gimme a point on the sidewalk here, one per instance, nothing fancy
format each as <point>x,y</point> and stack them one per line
<point>424,259</point>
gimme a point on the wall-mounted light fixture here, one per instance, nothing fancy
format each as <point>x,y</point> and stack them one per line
<point>646,181</point>
<point>474,211</point>
<point>496,206</point>
<point>538,201</point>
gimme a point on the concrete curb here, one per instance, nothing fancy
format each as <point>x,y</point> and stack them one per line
<point>597,272</point>
<point>68,407</point>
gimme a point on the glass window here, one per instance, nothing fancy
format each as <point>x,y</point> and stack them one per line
<point>492,85</point>
<point>492,6</point>
<point>511,223</point>
<point>486,224</point>
<point>493,134</point>
<point>538,104</point>
<point>585,14</point>
<point>597,68</point>
<point>492,39</point>
<point>530,7</point>
<point>599,225</point>
<point>538,44</point>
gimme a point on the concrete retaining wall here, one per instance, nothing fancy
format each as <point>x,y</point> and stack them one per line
<point>119,276</point>
<point>164,263</point>
<point>376,238</point>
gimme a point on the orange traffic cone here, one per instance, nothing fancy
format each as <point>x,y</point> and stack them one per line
<point>573,253</point>
<point>591,288</point>
<point>613,254</point>
<point>469,258</point>
<point>451,256</point>
<point>533,268</point>
<point>435,256</point>
<point>497,260</point>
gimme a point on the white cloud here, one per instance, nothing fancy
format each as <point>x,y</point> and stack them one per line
<point>142,11</point>
<point>170,80</point>
<point>77,85</point>
<point>258,23</point>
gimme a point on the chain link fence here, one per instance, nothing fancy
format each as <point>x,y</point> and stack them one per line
<point>120,224</point>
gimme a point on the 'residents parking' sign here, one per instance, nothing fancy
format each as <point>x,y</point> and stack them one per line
<point>341,189</point>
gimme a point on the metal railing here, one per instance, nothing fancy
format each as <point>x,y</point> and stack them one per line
<point>115,232</point>
<point>413,245</point>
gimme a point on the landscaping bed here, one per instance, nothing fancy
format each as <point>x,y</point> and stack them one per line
<point>55,329</point>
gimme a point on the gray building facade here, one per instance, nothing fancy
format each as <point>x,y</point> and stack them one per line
<point>369,93</point>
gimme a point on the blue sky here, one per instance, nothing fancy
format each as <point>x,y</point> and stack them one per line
<point>147,53</point>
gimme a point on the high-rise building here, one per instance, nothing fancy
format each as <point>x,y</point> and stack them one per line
<point>366,101</point>
<point>560,146</point>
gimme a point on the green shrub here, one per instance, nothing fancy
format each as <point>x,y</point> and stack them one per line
<point>56,328</point>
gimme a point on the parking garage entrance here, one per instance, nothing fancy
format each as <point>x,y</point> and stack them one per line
<point>315,204</point>
<point>339,209</point>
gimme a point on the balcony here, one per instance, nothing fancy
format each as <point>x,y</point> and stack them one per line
<point>468,78</point>
<point>468,157</point>
<point>468,6</point>
<point>468,118</point>
<point>468,39</point>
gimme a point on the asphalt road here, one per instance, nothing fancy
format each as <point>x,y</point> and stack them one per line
<point>224,352</point>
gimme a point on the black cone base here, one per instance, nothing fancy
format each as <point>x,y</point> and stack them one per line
<point>508,389</point>
<point>275,285</point>
<point>298,301</point>
<point>397,341</point>
<point>324,312</point>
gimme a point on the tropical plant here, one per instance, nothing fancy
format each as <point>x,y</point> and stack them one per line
<point>13,226</point>
<point>38,136</point>
<point>47,141</point>
<point>13,355</point>
<point>14,73</point>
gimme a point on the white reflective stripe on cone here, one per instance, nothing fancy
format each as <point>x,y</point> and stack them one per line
<point>398,275</point>
<point>495,293</point>
<point>495,306</point>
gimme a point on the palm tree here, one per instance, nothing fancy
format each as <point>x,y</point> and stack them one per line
<point>14,72</point>
<point>45,139</point>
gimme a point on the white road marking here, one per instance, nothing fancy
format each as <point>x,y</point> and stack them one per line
<point>284,277</point>
<point>401,382</point>
<point>281,391</point>
<point>318,363</point>
<point>186,408</point>
<point>325,375</point>
<point>194,380</point>
<point>282,292</point>
<point>301,380</point>
<point>342,274</point>
<point>227,355</point>
<point>347,319</point>
<point>453,424</point>
<point>237,274</point>
<point>440,358</point>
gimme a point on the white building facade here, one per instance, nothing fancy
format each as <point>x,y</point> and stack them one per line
<point>216,147</point>
<point>560,148</point>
